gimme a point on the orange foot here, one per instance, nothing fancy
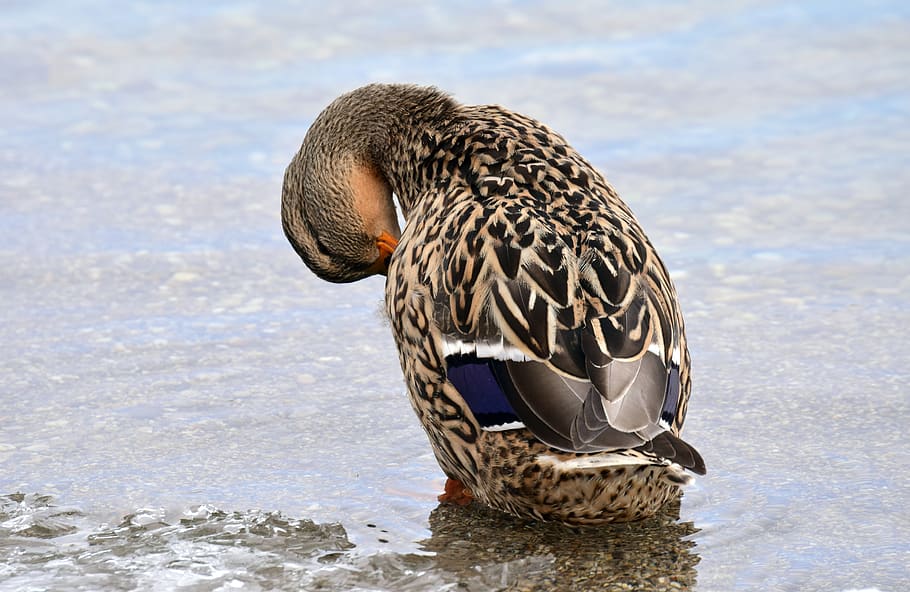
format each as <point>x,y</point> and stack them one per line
<point>456,493</point>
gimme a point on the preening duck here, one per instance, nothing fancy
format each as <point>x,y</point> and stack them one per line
<point>539,333</point>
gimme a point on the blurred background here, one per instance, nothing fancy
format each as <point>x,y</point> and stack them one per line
<point>176,384</point>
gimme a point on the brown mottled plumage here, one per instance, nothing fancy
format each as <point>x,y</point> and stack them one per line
<point>520,277</point>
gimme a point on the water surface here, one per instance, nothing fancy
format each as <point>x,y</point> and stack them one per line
<point>184,404</point>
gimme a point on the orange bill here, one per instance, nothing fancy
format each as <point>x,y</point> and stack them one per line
<point>386,244</point>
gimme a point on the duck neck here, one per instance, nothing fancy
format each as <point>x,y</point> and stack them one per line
<point>406,123</point>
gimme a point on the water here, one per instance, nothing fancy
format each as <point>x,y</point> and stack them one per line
<point>184,405</point>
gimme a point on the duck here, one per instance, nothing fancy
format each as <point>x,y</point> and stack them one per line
<point>539,334</point>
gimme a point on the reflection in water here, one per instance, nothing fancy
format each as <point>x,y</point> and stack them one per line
<point>650,554</point>
<point>204,548</point>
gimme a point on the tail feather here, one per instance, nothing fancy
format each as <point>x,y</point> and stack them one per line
<point>675,449</point>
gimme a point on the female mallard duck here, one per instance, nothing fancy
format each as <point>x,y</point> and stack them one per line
<point>538,331</point>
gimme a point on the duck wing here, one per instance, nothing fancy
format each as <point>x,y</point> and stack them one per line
<point>545,277</point>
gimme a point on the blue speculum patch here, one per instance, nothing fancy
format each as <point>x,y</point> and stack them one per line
<point>476,381</point>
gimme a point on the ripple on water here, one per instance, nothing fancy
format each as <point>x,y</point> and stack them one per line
<point>49,547</point>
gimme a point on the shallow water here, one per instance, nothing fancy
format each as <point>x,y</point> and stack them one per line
<point>184,405</point>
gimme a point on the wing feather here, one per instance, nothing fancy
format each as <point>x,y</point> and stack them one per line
<point>578,290</point>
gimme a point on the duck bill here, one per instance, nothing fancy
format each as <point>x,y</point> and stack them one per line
<point>386,244</point>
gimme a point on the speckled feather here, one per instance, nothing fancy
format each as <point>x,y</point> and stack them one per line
<point>512,238</point>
